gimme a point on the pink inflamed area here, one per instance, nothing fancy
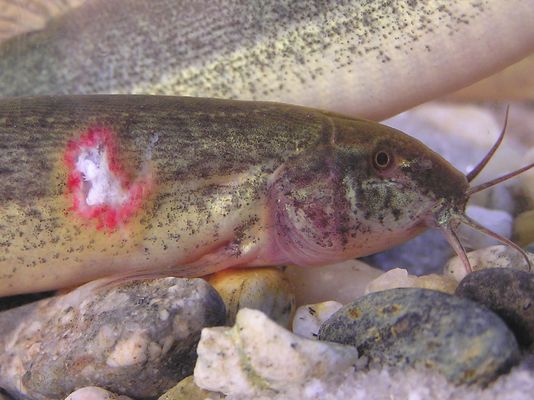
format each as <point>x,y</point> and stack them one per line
<point>100,188</point>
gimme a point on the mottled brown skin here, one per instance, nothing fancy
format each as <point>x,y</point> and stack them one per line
<point>236,183</point>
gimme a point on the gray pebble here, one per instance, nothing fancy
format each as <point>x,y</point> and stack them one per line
<point>3,395</point>
<point>424,254</point>
<point>527,363</point>
<point>136,338</point>
<point>507,292</point>
<point>9,302</point>
<point>425,328</point>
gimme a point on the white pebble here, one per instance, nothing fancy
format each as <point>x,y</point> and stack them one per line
<point>499,256</point>
<point>258,354</point>
<point>399,278</point>
<point>309,318</point>
<point>341,282</point>
<point>94,393</point>
<point>394,278</point>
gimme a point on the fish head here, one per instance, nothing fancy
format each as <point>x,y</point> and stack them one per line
<point>363,189</point>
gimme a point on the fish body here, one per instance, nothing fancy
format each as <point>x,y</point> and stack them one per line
<point>100,185</point>
<point>371,59</point>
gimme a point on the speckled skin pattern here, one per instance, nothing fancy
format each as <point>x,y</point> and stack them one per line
<point>136,338</point>
<point>465,342</point>
<point>234,184</point>
<point>370,59</point>
<point>507,292</point>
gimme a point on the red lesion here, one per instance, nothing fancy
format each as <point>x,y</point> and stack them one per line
<point>107,216</point>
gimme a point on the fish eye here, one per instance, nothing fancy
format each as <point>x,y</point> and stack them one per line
<point>382,159</point>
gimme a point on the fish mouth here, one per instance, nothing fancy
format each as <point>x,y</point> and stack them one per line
<point>448,218</point>
<point>450,227</point>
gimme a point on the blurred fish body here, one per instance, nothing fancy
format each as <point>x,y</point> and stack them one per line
<point>370,59</point>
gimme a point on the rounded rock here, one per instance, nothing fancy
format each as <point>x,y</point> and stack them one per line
<point>424,328</point>
<point>136,338</point>
<point>507,292</point>
<point>264,289</point>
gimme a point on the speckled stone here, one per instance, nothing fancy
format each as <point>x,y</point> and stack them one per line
<point>136,338</point>
<point>264,289</point>
<point>425,328</point>
<point>507,292</point>
<point>186,389</point>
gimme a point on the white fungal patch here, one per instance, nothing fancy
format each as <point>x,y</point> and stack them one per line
<point>101,186</point>
<point>153,140</point>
